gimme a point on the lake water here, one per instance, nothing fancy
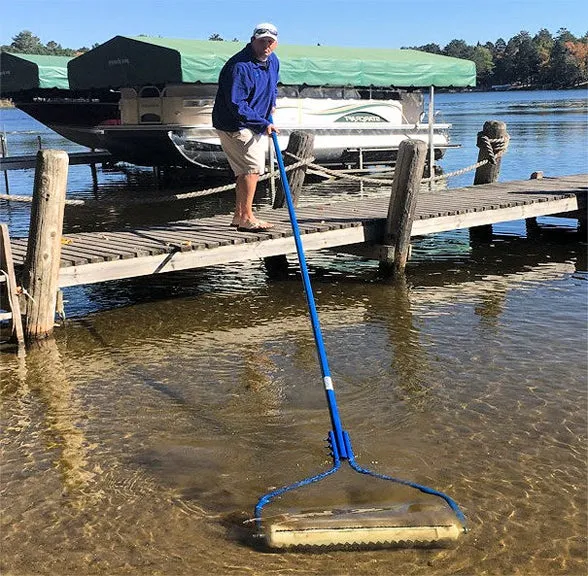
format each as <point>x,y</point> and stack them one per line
<point>139,439</point>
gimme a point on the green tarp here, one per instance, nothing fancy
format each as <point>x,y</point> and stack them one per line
<point>28,71</point>
<point>142,60</point>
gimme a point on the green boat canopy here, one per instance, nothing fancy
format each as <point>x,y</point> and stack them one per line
<point>139,61</point>
<point>29,71</point>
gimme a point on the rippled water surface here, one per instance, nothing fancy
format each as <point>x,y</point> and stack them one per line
<point>138,441</point>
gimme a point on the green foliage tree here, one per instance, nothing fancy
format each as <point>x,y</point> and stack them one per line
<point>526,59</point>
<point>458,49</point>
<point>482,56</point>
<point>26,42</point>
<point>564,35</point>
<point>431,48</point>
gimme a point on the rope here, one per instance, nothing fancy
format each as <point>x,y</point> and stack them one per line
<point>159,199</point>
<point>336,173</point>
<point>494,147</point>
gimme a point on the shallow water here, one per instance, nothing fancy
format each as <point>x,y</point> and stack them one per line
<point>139,439</point>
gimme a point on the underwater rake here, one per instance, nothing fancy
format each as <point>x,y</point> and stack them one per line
<point>391,525</point>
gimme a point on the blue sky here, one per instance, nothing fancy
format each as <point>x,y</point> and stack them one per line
<point>362,23</point>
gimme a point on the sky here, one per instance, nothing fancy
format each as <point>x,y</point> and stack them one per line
<point>361,23</point>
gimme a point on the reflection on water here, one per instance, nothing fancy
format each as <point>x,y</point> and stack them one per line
<point>164,421</point>
<point>139,439</point>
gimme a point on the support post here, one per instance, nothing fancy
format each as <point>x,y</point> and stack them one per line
<point>4,150</point>
<point>431,133</point>
<point>300,145</point>
<point>8,288</point>
<point>94,172</point>
<point>492,131</point>
<point>531,225</point>
<point>410,165</point>
<point>41,269</point>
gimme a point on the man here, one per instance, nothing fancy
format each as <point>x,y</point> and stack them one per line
<point>246,97</point>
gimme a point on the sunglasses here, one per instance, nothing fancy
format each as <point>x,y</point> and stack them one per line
<point>272,31</point>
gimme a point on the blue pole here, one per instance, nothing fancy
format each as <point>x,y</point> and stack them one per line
<point>316,329</point>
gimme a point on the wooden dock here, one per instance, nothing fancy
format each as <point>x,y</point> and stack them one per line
<point>103,256</point>
<point>28,161</point>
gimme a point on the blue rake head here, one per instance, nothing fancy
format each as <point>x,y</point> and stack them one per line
<point>350,458</point>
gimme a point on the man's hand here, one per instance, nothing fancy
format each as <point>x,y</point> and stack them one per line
<point>271,128</point>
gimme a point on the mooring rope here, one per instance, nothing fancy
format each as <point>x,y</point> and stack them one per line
<point>159,199</point>
<point>494,147</point>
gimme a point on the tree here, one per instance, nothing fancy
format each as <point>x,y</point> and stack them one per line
<point>482,57</point>
<point>431,48</point>
<point>528,60</point>
<point>579,51</point>
<point>543,41</point>
<point>565,35</point>
<point>216,38</point>
<point>458,49</point>
<point>563,67</point>
<point>499,48</point>
<point>26,42</point>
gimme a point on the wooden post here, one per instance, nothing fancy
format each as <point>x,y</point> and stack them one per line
<point>41,269</point>
<point>8,286</point>
<point>4,150</point>
<point>410,165</point>
<point>531,224</point>
<point>93,172</point>
<point>301,145</point>
<point>488,173</point>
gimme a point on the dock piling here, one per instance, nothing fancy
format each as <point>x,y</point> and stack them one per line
<point>300,146</point>
<point>493,132</point>
<point>4,151</point>
<point>410,165</point>
<point>9,290</point>
<point>41,267</point>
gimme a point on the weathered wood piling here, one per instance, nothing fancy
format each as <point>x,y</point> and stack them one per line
<point>9,293</point>
<point>41,270</point>
<point>410,165</point>
<point>492,142</point>
<point>300,148</point>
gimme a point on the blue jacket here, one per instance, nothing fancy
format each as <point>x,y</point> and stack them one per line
<point>247,91</point>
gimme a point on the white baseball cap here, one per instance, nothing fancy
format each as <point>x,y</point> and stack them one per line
<point>265,30</point>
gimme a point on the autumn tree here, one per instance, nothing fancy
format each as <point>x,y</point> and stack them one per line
<point>579,50</point>
<point>563,69</point>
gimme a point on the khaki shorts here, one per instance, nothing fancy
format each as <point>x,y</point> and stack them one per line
<point>245,151</point>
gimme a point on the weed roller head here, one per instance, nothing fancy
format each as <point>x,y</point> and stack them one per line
<point>390,525</point>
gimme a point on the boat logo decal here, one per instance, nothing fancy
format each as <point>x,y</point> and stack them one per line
<point>361,117</point>
<point>119,62</point>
